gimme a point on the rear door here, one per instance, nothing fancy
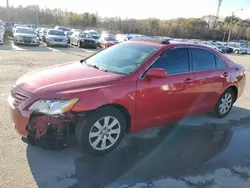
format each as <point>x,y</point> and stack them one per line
<point>211,74</point>
<point>161,100</point>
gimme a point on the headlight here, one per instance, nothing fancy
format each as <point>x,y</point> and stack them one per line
<point>65,39</point>
<point>50,39</point>
<point>53,107</point>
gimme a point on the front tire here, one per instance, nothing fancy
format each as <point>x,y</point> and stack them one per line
<point>237,52</point>
<point>79,44</point>
<point>101,131</point>
<point>225,103</point>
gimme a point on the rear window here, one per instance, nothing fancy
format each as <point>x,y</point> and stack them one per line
<point>204,59</point>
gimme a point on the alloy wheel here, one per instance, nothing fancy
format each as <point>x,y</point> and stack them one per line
<point>104,133</point>
<point>226,103</point>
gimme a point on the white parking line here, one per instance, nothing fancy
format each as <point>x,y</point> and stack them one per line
<point>14,47</point>
<point>53,49</point>
<point>90,51</point>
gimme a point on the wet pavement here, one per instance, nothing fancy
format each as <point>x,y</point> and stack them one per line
<point>180,152</point>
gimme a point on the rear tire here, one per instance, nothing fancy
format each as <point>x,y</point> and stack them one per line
<point>100,131</point>
<point>225,103</point>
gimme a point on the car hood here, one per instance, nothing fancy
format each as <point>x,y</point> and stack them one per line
<point>65,77</point>
<point>24,35</point>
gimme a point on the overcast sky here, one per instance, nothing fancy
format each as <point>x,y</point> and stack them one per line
<point>163,9</point>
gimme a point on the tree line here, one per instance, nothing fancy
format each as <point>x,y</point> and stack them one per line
<point>206,27</point>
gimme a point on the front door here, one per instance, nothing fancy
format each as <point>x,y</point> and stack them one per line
<point>160,100</point>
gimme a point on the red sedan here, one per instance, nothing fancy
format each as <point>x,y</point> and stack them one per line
<point>107,41</point>
<point>126,88</point>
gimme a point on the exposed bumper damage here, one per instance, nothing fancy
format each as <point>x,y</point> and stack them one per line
<point>49,132</point>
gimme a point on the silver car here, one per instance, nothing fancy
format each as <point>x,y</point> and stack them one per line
<point>56,37</point>
<point>24,35</point>
<point>2,32</point>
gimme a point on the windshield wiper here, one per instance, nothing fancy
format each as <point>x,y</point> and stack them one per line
<point>94,66</point>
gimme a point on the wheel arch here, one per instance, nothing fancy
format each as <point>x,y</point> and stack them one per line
<point>234,89</point>
<point>123,110</point>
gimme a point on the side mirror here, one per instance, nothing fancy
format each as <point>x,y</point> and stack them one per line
<point>156,73</point>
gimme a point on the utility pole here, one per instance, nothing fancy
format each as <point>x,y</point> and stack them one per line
<point>37,18</point>
<point>231,25</point>
<point>7,5</point>
<point>217,13</point>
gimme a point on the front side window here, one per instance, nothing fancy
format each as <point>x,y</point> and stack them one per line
<point>174,61</point>
<point>123,58</point>
<point>203,59</point>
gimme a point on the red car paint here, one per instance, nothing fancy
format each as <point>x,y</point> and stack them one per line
<point>149,102</point>
<point>108,41</point>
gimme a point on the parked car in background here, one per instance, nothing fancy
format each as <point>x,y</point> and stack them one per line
<point>237,49</point>
<point>25,35</point>
<point>246,47</point>
<point>94,34</point>
<point>209,44</point>
<point>107,41</point>
<point>56,37</point>
<point>222,47</point>
<point>82,39</point>
<point>18,25</point>
<point>42,34</point>
<point>63,28</point>
<point>32,26</point>
<point>121,37</point>
<point>129,87</point>
<point>38,30</point>
<point>68,34</point>
<point>2,34</point>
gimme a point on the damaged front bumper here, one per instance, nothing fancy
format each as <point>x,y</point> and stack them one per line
<point>49,132</point>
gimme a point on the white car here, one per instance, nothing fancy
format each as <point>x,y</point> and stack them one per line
<point>211,46</point>
<point>2,32</point>
<point>237,49</point>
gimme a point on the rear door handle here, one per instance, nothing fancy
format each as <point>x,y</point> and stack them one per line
<point>225,74</point>
<point>189,81</point>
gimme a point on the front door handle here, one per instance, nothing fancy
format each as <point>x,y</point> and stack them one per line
<point>225,74</point>
<point>189,81</point>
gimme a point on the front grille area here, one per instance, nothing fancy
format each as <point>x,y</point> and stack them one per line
<point>27,40</point>
<point>89,41</point>
<point>18,98</point>
<point>58,40</point>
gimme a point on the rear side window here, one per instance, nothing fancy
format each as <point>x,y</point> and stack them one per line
<point>203,59</point>
<point>219,63</point>
<point>174,61</point>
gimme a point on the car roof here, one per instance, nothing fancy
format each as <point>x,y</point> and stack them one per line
<point>55,30</point>
<point>23,27</point>
<point>170,43</point>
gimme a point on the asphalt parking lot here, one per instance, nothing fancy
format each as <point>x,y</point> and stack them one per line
<point>197,152</point>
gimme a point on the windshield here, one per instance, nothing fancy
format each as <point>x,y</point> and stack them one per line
<point>130,57</point>
<point>110,38</point>
<point>25,30</point>
<point>93,33</point>
<point>64,28</point>
<point>85,35</point>
<point>69,33</point>
<point>56,32</point>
